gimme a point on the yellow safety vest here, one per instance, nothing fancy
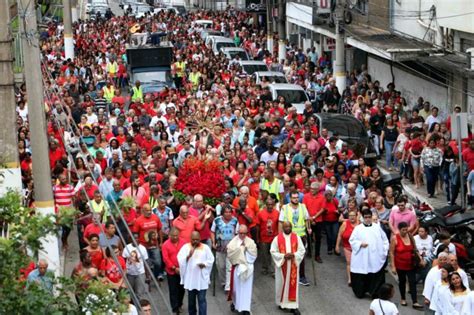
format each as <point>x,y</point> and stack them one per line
<point>300,227</point>
<point>112,68</point>
<point>273,188</point>
<point>108,93</point>
<point>137,94</point>
<point>99,207</point>
<point>182,67</point>
<point>194,78</point>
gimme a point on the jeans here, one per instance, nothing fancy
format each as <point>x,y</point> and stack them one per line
<point>431,174</point>
<point>302,273</point>
<point>454,193</point>
<point>388,154</point>
<point>317,229</point>
<point>376,140</point>
<point>447,183</point>
<point>402,283</point>
<point>267,261</point>
<point>138,285</point>
<point>332,228</point>
<point>154,259</point>
<point>176,292</point>
<point>201,297</point>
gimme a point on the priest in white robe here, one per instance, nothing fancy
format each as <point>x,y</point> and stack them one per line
<point>287,251</point>
<point>369,245</point>
<point>195,264</point>
<point>242,253</point>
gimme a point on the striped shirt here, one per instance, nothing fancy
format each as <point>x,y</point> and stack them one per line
<point>63,195</point>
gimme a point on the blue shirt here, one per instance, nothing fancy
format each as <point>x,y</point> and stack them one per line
<point>224,232</point>
<point>46,281</point>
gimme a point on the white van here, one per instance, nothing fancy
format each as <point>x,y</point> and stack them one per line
<point>270,76</point>
<point>252,66</point>
<point>293,94</point>
<point>231,52</point>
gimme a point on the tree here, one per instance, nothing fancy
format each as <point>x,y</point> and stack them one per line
<point>22,230</point>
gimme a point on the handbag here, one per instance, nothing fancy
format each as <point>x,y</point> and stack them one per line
<point>415,257</point>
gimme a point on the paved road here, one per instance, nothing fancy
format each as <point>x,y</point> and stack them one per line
<point>331,295</point>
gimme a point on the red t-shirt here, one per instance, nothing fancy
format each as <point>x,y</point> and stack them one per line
<point>468,157</point>
<point>331,215</point>
<point>143,225</point>
<point>416,146</point>
<point>313,204</point>
<point>268,223</point>
<point>92,229</point>
<point>112,271</point>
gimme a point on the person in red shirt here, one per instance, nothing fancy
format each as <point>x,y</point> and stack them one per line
<point>468,155</point>
<point>146,223</point>
<point>267,227</point>
<point>170,251</point>
<point>246,216</point>
<point>329,209</point>
<point>187,224</point>
<point>93,228</point>
<point>148,143</point>
<point>110,269</point>
<point>55,153</point>
<point>312,201</point>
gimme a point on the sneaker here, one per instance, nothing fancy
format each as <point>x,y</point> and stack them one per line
<point>304,282</point>
<point>161,278</point>
<point>330,252</point>
<point>318,259</point>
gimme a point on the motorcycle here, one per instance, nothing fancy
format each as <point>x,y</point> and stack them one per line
<point>458,223</point>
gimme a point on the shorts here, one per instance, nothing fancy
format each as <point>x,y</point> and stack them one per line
<point>415,162</point>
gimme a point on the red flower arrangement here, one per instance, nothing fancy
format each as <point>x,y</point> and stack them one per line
<point>204,177</point>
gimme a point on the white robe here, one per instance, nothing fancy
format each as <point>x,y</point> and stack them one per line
<point>468,307</point>
<point>243,282</point>
<point>279,260</point>
<point>192,276</point>
<point>433,276</point>
<point>371,258</point>
<point>435,301</point>
<point>449,303</point>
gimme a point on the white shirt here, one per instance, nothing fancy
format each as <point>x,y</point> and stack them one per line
<point>383,307</point>
<point>129,252</point>
<point>267,157</point>
<point>156,119</point>
<point>424,246</point>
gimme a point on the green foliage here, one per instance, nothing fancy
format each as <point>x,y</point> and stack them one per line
<point>25,230</point>
<point>67,215</point>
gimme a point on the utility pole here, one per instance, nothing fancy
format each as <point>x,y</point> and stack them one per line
<point>9,166</point>
<point>39,143</point>
<point>74,11</point>
<point>68,39</point>
<point>281,30</point>
<point>339,66</point>
<point>270,26</point>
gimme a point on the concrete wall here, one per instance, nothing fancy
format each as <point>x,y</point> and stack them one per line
<point>378,14</point>
<point>411,86</point>
<point>412,18</point>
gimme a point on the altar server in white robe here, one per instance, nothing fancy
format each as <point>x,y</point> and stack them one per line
<point>468,307</point>
<point>195,264</point>
<point>440,286</point>
<point>242,253</point>
<point>432,278</point>
<point>287,251</point>
<point>369,253</point>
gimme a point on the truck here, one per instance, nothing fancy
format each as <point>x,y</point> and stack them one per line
<point>151,66</point>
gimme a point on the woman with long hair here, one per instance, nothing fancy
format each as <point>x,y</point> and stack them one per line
<point>345,232</point>
<point>451,301</point>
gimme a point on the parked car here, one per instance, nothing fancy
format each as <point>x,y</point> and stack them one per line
<point>269,76</point>
<point>218,42</point>
<point>350,130</point>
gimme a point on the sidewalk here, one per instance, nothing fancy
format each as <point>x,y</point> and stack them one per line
<point>413,193</point>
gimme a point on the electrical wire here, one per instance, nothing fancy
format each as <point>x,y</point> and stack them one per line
<point>134,241</point>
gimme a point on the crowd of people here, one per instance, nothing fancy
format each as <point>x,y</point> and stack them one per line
<point>115,154</point>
